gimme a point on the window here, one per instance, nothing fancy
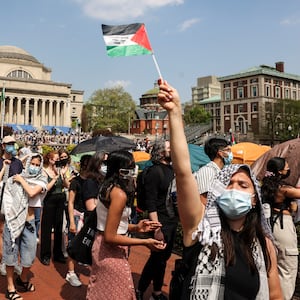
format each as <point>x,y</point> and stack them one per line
<point>240,108</point>
<point>277,92</point>
<point>254,107</point>
<point>227,95</point>
<point>268,94</point>
<point>254,91</point>
<point>227,109</point>
<point>240,92</point>
<point>287,94</point>
<point>294,95</point>
<point>19,74</point>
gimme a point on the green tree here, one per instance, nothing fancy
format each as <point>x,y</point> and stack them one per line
<point>282,115</point>
<point>109,108</point>
<point>196,114</point>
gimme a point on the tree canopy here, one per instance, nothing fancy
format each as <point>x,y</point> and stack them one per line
<point>109,108</point>
<point>195,114</point>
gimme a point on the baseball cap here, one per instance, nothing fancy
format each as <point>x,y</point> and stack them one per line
<point>8,139</point>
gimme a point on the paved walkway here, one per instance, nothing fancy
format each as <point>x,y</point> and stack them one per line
<point>51,285</point>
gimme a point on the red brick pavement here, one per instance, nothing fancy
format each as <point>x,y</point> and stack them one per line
<point>50,281</point>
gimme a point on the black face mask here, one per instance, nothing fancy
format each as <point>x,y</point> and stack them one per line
<point>284,176</point>
<point>63,162</point>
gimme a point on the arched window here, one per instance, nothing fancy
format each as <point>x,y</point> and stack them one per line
<point>19,74</point>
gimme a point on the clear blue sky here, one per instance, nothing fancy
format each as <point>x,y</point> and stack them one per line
<point>190,38</point>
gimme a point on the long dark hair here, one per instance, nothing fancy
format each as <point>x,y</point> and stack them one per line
<point>272,179</point>
<point>251,231</point>
<point>94,165</point>
<point>117,160</point>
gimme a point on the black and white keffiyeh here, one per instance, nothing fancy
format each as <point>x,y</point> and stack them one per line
<point>208,281</point>
<point>15,199</point>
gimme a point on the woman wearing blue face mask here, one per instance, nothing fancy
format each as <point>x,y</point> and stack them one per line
<point>236,256</point>
<point>22,193</point>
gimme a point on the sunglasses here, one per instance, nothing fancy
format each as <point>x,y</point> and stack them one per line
<point>129,172</point>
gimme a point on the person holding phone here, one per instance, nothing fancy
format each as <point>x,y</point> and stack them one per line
<point>53,209</point>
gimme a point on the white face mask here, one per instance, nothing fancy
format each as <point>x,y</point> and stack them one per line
<point>103,169</point>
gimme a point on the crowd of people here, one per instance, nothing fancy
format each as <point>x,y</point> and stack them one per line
<point>243,252</point>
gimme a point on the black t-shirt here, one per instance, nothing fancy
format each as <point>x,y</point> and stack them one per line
<point>15,166</point>
<point>76,185</point>
<point>240,283</point>
<point>90,189</point>
<point>157,183</point>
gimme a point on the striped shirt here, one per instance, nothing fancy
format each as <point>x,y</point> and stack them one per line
<point>205,176</point>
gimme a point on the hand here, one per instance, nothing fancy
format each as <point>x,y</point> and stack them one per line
<point>17,178</point>
<point>155,245</point>
<point>147,225</point>
<point>72,227</point>
<point>6,162</point>
<point>168,97</point>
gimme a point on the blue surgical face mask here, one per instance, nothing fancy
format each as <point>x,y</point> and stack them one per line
<point>10,149</point>
<point>33,170</point>
<point>228,159</point>
<point>234,203</point>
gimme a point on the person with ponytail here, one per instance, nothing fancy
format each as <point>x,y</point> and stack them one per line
<point>280,196</point>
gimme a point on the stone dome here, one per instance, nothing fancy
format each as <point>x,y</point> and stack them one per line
<point>12,52</point>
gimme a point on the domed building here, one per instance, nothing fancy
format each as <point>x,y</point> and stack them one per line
<point>32,100</point>
<point>150,117</point>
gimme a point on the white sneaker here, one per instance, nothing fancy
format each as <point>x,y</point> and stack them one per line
<point>73,279</point>
<point>2,269</point>
<point>18,269</point>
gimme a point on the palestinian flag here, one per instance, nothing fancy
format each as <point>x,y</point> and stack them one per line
<point>126,40</point>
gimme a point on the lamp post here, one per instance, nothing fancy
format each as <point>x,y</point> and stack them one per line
<point>156,131</point>
<point>165,130</point>
<point>78,129</point>
<point>290,130</point>
<point>230,135</point>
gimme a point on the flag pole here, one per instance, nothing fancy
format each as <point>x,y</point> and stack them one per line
<point>2,109</point>
<point>156,65</point>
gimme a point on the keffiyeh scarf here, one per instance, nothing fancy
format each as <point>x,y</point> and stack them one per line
<point>208,281</point>
<point>15,200</point>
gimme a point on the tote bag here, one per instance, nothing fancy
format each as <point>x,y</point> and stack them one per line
<point>80,247</point>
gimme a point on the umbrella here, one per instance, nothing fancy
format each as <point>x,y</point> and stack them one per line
<point>104,143</point>
<point>290,151</point>
<point>247,153</point>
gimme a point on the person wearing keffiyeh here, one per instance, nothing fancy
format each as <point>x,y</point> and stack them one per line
<point>237,259</point>
<point>19,231</point>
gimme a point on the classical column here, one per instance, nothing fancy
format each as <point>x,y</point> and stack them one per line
<point>67,113</point>
<point>19,113</point>
<point>35,122</point>
<point>50,112</point>
<point>26,111</point>
<point>57,119</point>
<point>43,113</point>
<point>11,111</point>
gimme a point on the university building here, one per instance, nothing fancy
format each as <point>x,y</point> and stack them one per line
<point>32,100</point>
<point>150,117</point>
<point>247,101</point>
